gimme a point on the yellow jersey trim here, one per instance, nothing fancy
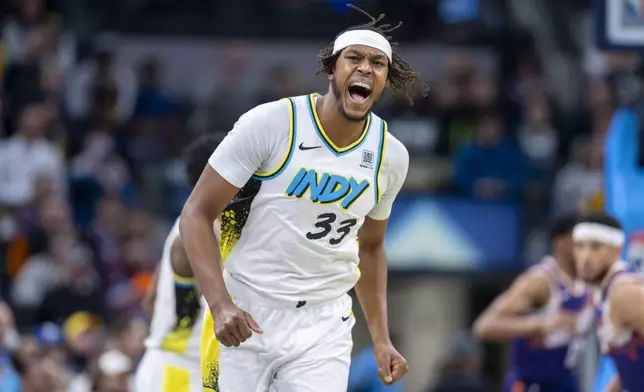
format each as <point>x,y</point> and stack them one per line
<point>325,138</point>
<point>289,150</point>
<point>381,159</point>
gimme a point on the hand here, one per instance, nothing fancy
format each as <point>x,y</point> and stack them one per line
<point>233,325</point>
<point>391,365</point>
<point>559,321</point>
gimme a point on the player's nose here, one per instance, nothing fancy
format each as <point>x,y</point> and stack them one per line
<point>365,67</point>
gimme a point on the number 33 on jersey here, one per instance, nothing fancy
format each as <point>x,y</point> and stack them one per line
<point>307,197</point>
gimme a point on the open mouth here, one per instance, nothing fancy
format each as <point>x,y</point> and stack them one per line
<point>359,92</point>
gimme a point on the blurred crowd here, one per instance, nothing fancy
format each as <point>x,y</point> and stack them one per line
<point>91,172</point>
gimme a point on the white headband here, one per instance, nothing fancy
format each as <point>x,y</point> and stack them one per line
<point>598,232</point>
<point>362,37</point>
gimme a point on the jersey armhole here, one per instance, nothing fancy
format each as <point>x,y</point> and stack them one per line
<point>382,146</point>
<point>553,293</point>
<point>264,176</point>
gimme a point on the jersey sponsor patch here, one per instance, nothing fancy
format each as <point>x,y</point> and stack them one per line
<point>367,160</point>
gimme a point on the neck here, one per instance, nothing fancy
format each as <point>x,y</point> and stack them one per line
<point>566,268</point>
<point>337,127</point>
<point>616,267</point>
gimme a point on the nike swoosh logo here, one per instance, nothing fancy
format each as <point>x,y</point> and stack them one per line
<point>346,318</point>
<point>302,148</point>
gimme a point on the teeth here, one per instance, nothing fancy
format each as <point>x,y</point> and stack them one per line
<point>361,84</point>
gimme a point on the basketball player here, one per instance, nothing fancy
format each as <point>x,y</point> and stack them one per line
<point>316,173</point>
<point>171,361</point>
<point>546,315</point>
<point>598,244</point>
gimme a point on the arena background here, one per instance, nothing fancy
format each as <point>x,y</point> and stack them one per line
<point>110,91</point>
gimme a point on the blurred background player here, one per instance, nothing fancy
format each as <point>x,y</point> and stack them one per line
<point>171,361</point>
<point>598,245</point>
<point>546,314</point>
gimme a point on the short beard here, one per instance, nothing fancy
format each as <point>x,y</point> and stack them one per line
<point>337,93</point>
<point>600,277</point>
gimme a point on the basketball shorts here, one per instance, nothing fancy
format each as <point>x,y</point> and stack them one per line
<point>162,371</point>
<point>515,383</point>
<point>304,348</point>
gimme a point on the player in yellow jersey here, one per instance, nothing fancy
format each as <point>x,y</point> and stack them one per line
<point>298,181</point>
<point>171,361</point>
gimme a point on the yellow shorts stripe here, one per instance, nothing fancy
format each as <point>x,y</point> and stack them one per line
<point>209,354</point>
<point>176,379</point>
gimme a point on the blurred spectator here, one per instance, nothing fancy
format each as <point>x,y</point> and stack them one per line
<point>458,112</point>
<point>101,88</point>
<point>126,294</point>
<point>51,341</point>
<point>581,179</point>
<point>491,166</point>
<point>128,336</point>
<point>220,102</point>
<point>28,155</point>
<point>98,171</point>
<point>114,373</point>
<point>281,81</point>
<point>58,49</point>
<point>44,271</point>
<point>41,374</point>
<point>9,344</point>
<point>537,136</point>
<point>529,80</point>
<point>40,56</point>
<point>21,35</point>
<point>82,332</point>
<point>461,369</point>
<point>105,234</point>
<point>150,99</point>
<point>596,111</point>
<point>81,291</point>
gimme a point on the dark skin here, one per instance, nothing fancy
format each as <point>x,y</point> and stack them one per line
<point>371,290</point>
<point>343,120</point>
<point>180,266</point>
<point>506,318</point>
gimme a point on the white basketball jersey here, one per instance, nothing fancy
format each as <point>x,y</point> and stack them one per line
<point>290,235</point>
<point>166,332</point>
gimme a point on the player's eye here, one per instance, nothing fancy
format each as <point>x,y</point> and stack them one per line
<point>353,58</point>
<point>379,63</point>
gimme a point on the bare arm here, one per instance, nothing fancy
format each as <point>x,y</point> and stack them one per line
<point>372,286</point>
<point>505,318</point>
<point>259,137</point>
<point>627,312</point>
<point>179,259</point>
<point>627,305</point>
<point>615,385</point>
<point>372,294</point>
<point>147,305</point>
<point>206,202</point>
